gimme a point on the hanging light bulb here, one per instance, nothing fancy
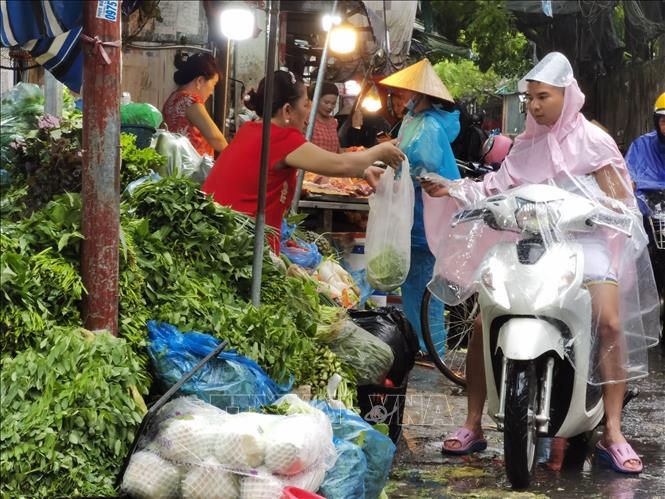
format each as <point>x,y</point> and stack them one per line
<point>343,39</point>
<point>372,101</point>
<point>237,23</point>
<point>329,21</point>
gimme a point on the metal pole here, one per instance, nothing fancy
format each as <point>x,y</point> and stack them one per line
<point>100,193</point>
<point>53,92</point>
<point>312,113</point>
<point>227,69</point>
<point>271,40</point>
<point>236,95</point>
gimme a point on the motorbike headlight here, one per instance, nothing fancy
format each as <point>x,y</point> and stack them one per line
<point>536,217</point>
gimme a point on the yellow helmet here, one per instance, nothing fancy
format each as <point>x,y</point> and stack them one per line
<point>659,107</point>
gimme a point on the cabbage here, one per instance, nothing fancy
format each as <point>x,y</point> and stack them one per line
<point>207,481</point>
<point>261,487</point>
<point>148,476</point>
<point>240,440</point>
<point>185,439</point>
<point>294,443</point>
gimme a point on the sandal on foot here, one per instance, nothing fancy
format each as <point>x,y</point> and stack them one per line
<point>617,455</point>
<point>469,442</point>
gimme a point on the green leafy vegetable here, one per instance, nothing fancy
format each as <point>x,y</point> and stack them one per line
<point>387,270</point>
<point>69,409</point>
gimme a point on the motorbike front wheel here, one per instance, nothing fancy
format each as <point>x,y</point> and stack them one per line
<point>520,438</point>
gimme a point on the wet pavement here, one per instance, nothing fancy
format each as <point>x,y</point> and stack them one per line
<point>434,407</point>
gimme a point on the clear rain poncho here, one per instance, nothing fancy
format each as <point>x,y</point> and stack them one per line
<point>569,158</point>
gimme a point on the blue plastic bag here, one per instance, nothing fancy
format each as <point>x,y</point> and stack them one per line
<point>379,450</point>
<point>305,255</point>
<point>229,381</point>
<point>346,480</point>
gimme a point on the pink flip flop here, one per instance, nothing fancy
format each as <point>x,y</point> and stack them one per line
<point>469,442</point>
<point>616,455</point>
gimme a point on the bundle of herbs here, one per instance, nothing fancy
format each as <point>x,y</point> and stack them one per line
<point>69,410</point>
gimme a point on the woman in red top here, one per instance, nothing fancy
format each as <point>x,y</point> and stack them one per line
<point>325,127</point>
<point>234,180</point>
<point>184,111</point>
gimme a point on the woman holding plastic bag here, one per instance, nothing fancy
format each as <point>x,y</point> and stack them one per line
<point>234,180</point>
<point>560,147</point>
<point>427,131</point>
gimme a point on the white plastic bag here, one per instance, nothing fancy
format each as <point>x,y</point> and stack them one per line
<point>388,242</point>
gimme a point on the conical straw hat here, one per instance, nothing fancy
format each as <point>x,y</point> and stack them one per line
<point>419,77</point>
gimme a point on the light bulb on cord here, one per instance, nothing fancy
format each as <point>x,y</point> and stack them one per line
<point>372,101</point>
<point>237,23</point>
<point>329,21</point>
<point>343,39</point>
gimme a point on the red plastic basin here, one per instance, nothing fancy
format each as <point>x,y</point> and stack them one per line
<point>296,493</point>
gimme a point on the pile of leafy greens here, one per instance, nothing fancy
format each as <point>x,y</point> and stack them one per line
<point>183,259</point>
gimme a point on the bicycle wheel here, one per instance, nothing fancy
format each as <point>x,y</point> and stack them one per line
<point>458,320</point>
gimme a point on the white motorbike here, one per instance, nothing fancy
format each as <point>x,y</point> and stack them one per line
<point>536,315</point>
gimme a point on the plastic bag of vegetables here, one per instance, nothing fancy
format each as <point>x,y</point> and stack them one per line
<point>379,450</point>
<point>229,380</point>
<point>388,241</point>
<point>194,450</point>
<point>370,357</point>
<point>346,480</point>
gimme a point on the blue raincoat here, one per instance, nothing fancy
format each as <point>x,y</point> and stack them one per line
<point>425,138</point>
<point>646,163</point>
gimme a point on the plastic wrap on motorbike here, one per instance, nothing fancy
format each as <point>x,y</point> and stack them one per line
<point>537,250</point>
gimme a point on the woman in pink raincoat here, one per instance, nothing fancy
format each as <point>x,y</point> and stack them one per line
<point>561,147</point>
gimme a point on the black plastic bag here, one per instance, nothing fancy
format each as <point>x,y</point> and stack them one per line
<point>390,325</point>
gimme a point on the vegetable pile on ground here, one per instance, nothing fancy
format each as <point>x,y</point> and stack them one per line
<point>71,399</point>
<point>70,407</point>
<point>184,260</point>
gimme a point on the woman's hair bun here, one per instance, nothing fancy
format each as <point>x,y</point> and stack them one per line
<point>192,66</point>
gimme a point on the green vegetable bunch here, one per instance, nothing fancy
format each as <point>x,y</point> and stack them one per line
<point>137,163</point>
<point>387,270</point>
<point>69,409</point>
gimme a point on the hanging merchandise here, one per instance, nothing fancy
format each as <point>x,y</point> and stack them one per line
<point>388,246</point>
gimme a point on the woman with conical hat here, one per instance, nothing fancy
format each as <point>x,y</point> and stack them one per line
<point>428,128</point>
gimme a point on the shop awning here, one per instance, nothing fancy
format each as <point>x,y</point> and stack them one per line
<point>50,31</point>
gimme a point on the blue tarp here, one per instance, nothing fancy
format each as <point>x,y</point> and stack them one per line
<point>50,31</point>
